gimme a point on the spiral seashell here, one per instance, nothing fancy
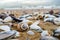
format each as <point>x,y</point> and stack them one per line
<point>22,27</point>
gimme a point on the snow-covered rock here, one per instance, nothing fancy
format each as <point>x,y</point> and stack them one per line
<point>8,19</point>
<point>30,32</point>
<point>5,28</point>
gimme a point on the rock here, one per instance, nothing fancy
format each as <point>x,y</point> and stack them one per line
<point>30,32</point>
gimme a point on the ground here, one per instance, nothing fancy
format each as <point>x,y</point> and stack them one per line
<point>45,25</point>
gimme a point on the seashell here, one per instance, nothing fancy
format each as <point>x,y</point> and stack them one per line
<point>48,38</point>
<point>41,15</point>
<point>17,34</point>
<point>35,26</point>
<point>22,27</point>
<point>45,33</point>
<point>35,13</point>
<point>30,32</point>
<point>29,23</point>
<point>5,28</point>
<point>8,19</point>
<point>49,16</point>
<point>1,20</point>
<point>56,32</point>
<point>48,20</point>
<point>57,21</point>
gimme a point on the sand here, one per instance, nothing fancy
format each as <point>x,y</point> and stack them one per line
<point>47,26</point>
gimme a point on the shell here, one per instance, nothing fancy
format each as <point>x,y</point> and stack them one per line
<point>8,19</point>
<point>22,27</point>
<point>29,23</point>
<point>5,27</point>
<point>45,33</point>
<point>48,38</point>
<point>57,21</point>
